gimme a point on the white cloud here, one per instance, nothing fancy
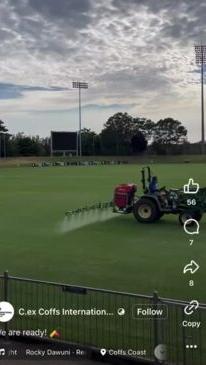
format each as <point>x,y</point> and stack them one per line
<point>129,51</point>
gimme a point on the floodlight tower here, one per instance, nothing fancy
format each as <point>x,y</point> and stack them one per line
<point>80,85</point>
<point>200,52</point>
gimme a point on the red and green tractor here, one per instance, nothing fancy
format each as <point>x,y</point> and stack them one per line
<point>150,206</point>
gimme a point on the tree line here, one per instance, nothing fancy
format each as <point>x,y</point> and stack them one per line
<point>122,134</point>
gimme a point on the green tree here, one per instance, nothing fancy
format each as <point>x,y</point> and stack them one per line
<point>169,131</point>
<point>27,146</point>
<point>168,134</point>
<point>46,146</point>
<point>88,142</point>
<point>138,143</point>
<point>146,126</point>
<point>3,128</point>
<point>117,134</point>
<point>4,139</point>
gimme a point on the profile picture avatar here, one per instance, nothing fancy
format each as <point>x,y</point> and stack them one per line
<point>6,311</point>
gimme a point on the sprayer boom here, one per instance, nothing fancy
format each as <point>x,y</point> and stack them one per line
<point>99,206</point>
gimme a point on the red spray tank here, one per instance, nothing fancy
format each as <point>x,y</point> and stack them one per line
<point>124,197</point>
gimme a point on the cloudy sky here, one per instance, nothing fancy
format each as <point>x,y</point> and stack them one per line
<point>136,55</point>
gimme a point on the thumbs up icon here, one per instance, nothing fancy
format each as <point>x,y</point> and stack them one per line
<point>191,187</point>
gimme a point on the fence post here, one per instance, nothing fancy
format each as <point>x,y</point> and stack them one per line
<point>6,282</point>
<point>156,332</point>
<point>183,338</point>
<point>156,323</point>
<point>6,277</point>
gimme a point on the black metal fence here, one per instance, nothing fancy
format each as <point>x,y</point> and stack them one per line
<point>106,319</point>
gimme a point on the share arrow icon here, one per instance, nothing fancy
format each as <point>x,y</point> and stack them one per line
<point>192,267</point>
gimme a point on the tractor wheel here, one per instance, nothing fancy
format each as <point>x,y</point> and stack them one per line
<point>146,211</point>
<point>184,216</point>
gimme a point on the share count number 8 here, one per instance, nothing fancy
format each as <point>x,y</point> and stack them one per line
<point>191,202</point>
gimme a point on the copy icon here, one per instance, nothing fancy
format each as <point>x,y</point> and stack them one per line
<point>191,307</point>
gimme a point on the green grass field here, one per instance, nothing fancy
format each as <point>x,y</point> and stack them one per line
<point>118,254</point>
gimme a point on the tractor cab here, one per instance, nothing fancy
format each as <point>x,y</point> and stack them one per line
<point>149,182</point>
<point>146,179</point>
<point>154,202</point>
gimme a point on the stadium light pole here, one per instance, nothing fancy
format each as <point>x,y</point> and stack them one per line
<point>80,85</point>
<point>200,52</point>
